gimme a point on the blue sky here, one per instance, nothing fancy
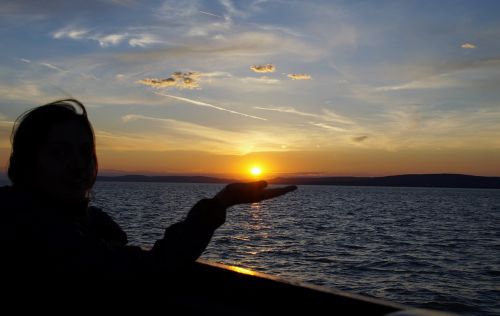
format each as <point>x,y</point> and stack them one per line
<point>236,78</point>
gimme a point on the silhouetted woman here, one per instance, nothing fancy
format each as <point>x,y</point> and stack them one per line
<point>49,231</point>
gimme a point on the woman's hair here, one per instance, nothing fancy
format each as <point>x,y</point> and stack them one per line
<point>31,131</point>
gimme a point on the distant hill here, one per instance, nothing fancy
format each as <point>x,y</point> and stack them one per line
<point>181,179</point>
<point>409,180</point>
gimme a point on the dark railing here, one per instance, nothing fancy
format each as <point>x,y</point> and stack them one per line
<point>220,289</point>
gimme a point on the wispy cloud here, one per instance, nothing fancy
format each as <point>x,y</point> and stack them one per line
<point>299,76</point>
<point>204,104</point>
<point>211,139</point>
<point>75,33</point>
<point>143,40</point>
<point>48,65</point>
<point>5,130</point>
<point>243,44</point>
<point>187,128</point>
<point>435,82</point>
<point>72,33</point>
<point>132,37</point>
<point>106,140</point>
<point>328,127</point>
<point>419,128</point>
<point>24,91</point>
<point>261,80</point>
<point>110,39</point>
<point>450,75</point>
<point>263,68</point>
<point>4,121</point>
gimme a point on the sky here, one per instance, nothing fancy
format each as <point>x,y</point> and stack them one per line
<point>316,88</point>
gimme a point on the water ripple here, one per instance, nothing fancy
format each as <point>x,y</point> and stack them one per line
<point>425,247</point>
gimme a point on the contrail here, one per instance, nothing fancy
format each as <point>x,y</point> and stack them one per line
<point>208,13</point>
<point>208,105</point>
<point>52,67</point>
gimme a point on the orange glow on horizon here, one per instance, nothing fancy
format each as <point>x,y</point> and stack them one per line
<point>358,162</point>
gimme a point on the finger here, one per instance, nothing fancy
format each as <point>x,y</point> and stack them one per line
<point>275,192</point>
<point>259,185</point>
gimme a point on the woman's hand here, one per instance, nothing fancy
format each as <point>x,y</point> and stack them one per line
<point>239,193</point>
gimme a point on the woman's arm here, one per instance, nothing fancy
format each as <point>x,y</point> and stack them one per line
<point>184,242</point>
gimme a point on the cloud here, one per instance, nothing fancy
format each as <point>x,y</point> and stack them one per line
<point>204,104</point>
<point>158,83</point>
<point>4,120</point>
<point>329,127</point>
<point>60,9</point>
<point>5,131</point>
<point>184,135</point>
<point>110,39</point>
<point>430,128</point>
<point>458,74</point>
<point>435,82</point>
<point>23,91</point>
<point>263,68</point>
<point>48,65</point>
<point>261,80</point>
<point>132,37</point>
<point>68,32</point>
<point>468,46</point>
<point>190,129</point>
<point>299,76</point>
<point>143,40</point>
<point>245,44</point>
<point>359,139</point>
<point>181,80</point>
<point>194,75</point>
<point>189,83</point>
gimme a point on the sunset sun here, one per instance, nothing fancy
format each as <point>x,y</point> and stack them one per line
<point>256,171</point>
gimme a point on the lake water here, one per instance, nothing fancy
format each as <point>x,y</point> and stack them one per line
<point>424,247</point>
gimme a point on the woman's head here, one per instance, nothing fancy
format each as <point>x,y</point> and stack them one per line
<point>53,151</point>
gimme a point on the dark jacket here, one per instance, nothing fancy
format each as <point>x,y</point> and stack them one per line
<point>40,240</point>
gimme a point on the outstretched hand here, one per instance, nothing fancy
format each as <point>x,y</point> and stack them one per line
<point>251,192</point>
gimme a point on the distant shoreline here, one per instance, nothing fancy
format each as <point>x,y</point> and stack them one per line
<point>409,180</point>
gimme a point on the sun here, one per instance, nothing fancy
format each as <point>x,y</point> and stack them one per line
<point>256,171</point>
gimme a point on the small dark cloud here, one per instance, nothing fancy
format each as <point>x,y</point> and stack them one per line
<point>359,139</point>
<point>158,83</point>
<point>178,79</point>
<point>299,76</point>
<point>264,68</point>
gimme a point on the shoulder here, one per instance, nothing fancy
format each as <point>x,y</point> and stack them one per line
<point>97,216</point>
<point>6,190</point>
<point>95,211</point>
<point>12,198</point>
<point>104,226</point>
